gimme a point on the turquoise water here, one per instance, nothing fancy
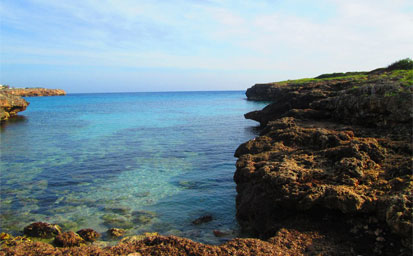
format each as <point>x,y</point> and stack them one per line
<point>140,161</point>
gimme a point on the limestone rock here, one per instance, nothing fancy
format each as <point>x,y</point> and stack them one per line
<point>42,230</point>
<point>88,234</point>
<point>68,239</point>
<point>116,232</point>
<point>10,105</point>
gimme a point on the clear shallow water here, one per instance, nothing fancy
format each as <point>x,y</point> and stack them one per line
<point>141,161</point>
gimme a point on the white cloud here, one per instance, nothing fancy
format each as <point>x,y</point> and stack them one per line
<point>210,35</point>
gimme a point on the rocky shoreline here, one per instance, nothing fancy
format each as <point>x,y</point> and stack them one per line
<point>330,174</point>
<point>10,105</point>
<point>333,152</point>
<point>11,101</point>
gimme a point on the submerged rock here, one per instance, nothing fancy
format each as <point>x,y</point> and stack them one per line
<point>132,239</point>
<point>88,234</point>
<point>115,220</point>
<point>42,230</point>
<point>116,232</point>
<point>68,239</point>
<point>203,219</point>
<point>143,217</point>
<point>219,233</point>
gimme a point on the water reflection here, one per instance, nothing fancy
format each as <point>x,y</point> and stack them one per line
<point>15,120</point>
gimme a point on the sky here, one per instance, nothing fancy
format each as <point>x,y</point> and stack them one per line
<point>195,45</point>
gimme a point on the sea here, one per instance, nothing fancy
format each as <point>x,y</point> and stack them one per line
<point>145,162</point>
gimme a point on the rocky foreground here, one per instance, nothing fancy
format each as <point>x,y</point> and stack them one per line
<point>334,157</point>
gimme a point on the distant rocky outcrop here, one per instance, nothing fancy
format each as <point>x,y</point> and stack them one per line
<point>31,92</point>
<point>11,101</point>
<point>10,105</point>
<point>334,151</point>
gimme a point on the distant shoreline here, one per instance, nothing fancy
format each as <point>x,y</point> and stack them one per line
<point>11,101</point>
<point>31,92</point>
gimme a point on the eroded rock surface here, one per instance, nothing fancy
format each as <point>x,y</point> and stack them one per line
<point>339,146</point>
<point>42,230</point>
<point>10,105</point>
<point>285,243</point>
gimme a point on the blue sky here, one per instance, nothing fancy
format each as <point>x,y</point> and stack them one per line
<point>181,45</point>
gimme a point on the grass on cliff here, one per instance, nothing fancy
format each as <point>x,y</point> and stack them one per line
<point>354,76</point>
<point>405,76</point>
<point>401,70</point>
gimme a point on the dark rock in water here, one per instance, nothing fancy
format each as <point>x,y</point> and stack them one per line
<point>203,219</point>
<point>116,232</point>
<point>219,233</point>
<point>42,230</point>
<point>68,239</point>
<point>88,234</point>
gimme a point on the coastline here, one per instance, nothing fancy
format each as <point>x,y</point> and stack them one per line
<point>332,152</point>
<point>33,92</point>
<point>283,195</point>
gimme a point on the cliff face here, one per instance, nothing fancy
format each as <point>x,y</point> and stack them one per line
<point>30,92</point>
<point>10,105</point>
<point>333,152</point>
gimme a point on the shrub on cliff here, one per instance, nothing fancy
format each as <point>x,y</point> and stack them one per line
<point>347,74</point>
<point>404,64</point>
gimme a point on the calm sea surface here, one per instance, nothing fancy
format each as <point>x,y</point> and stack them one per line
<point>140,161</point>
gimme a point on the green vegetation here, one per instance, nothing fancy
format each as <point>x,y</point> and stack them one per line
<point>335,75</point>
<point>404,76</point>
<point>401,70</point>
<point>346,76</point>
<point>404,64</point>
<point>407,79</point>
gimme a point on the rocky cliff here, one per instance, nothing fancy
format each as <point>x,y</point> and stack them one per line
<point>334,157</point>
<point>11,101</point>
<point>30,92</point>
<point>10,105</point>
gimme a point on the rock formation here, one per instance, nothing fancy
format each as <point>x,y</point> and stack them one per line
<point>10,105</point>
<point>88,234</point>
<point>11,102</point>
<point>335,152</point>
